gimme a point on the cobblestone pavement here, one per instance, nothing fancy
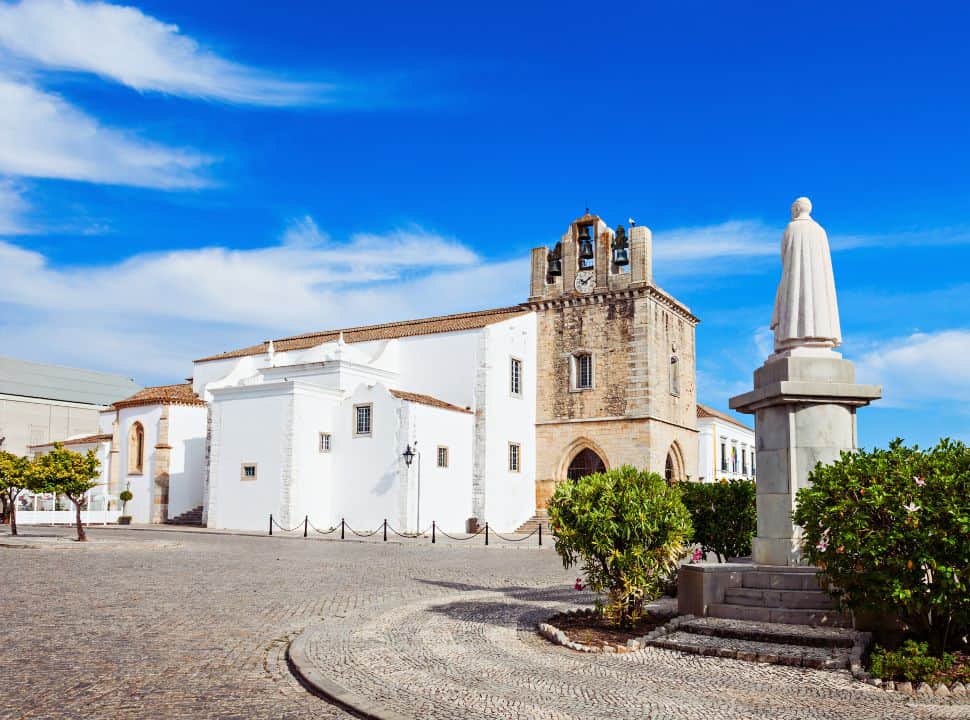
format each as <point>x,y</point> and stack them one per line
<point>148,624</point>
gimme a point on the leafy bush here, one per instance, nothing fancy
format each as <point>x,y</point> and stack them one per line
<point>724,516</point>
<point>629,528</point>
<point>910,662</point>
<point>125,496</point>
<point>890,529</point>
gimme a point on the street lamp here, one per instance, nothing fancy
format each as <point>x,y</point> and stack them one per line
<point>408,456</point>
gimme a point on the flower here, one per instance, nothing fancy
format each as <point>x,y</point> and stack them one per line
<point>919,481</point>
<point>697,555</point>
<point>578,585</point>
<point>822,545</point>
<point>911,507</point>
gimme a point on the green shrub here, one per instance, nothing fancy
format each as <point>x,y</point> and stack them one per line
<point>890,529</point>
<point>910,662</point>
<point>724,516</point>
<point>628,528</point>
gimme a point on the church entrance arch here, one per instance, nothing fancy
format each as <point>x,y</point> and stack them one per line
<point>585,463</point>
<point>674,466</point>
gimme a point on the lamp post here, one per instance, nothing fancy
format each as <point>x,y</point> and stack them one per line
<point>409,455</point>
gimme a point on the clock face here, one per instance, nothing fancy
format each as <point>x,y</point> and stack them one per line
<point>585,281</point>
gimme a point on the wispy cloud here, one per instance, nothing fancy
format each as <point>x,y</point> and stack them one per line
<point>920,370</point>
<point>45,136</point>
<point>151,314</point>
<point>13,209</point>
<point>123,44</point>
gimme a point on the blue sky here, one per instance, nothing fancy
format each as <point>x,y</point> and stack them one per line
<point>177,179</point>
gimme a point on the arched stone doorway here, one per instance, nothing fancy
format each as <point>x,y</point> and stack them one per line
<point>674,465</point>
<point>585,463</point>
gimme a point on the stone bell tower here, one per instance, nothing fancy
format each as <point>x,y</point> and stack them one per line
<point>615,359</point>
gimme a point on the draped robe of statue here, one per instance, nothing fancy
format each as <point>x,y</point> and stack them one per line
<point>806,311</point>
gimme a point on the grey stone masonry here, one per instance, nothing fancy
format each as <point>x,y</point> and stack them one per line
<point>805,414</point>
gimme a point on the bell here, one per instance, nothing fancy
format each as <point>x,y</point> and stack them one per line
<point>555,268</point>
<point>585,244</point>
<point>621,257</point>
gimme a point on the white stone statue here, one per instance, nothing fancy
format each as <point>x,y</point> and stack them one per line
<point>806,311</point>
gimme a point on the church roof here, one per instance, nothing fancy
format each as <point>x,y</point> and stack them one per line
<point>703,411</point>
<point>427,400</point>
<point>384,331</point>
<point>181,394</point>
<point>54,382</point>
<point>85,440</point>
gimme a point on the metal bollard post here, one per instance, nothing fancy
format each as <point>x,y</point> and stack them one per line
<point>486,533</point>
<point>306,521</point>
<point>540,533</point>
<point>434,531</point>
<point>385,529</point>
<point>271,523</point>
<point>341,528</point>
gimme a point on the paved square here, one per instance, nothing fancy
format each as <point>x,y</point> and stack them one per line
<point>160,624</point>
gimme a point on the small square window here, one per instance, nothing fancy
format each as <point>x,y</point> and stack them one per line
<point>362,419</point>
<point>515,375</point>
<point>582,371</point>
<point>442,456</point>
<point>325,441</point>
<point>248,471</point>
<point>515,451</point>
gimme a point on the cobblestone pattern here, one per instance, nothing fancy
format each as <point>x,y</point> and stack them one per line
<point>166,624</point>
<point>478,656</point>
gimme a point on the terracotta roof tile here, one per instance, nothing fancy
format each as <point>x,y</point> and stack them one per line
<point>181,394</point>
<point>703,411</point>
<point>428,400</point>
<point>385,331</point>
<point>76,441</point>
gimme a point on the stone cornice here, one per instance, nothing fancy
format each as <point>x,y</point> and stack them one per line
<point>601,296</point>
<point>616,418</point>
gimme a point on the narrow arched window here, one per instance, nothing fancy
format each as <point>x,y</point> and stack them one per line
<point>674,375</point>
<point>136,449</point>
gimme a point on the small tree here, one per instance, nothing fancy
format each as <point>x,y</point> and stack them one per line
<point>14,479</point>
<point>125,496</point>
<point>70,473</point>
<point>724,516</point>
<point>629,529</point>
<point>890,529</point>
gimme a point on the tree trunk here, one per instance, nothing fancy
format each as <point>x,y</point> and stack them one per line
<point>81,537</point>
<point>13,518</point>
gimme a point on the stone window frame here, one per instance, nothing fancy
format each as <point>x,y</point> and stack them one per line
<point>370,420</point>
<point>325,442</point>
<point>515,457</point>
<point>575,359</point>
<point>515,376</point>
<point>674,375</point>
<point>442,457</point>
<point>136,448</point>
<point>244,476</point>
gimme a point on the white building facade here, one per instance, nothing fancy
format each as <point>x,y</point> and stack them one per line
<point>726,447</point>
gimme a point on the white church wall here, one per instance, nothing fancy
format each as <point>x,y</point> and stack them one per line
<point>369,471</point>
<point>441,365</point>
<point>312,474</point>
<point>140,484</point>
<point>250,425</point>
<point>446,492</point>
<point>510,496</point>
<point>186,435</point>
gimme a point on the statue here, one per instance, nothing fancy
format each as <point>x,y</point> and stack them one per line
<point>806,310</point>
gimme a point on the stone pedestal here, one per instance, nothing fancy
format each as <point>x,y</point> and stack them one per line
<point>805,413</point>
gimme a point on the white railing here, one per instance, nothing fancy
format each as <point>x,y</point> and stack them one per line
<point>66,517</point>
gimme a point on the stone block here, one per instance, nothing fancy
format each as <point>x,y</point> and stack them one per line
<point>775,551</point>
<point>806,458</point>
<point>773,471</point>
<point>823,425</point>
<point>772,429</point>
<point>774,515</point>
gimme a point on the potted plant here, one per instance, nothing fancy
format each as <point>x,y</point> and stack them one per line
<point>125,495</point>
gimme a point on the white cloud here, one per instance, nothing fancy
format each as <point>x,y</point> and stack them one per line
<point>923,369</point>
<point>13,209</point>
<point>152,314</point>
<point>44,136</point>
<point>123,44</point>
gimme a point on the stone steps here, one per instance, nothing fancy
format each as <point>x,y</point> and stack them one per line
<point>790,599</point>
<point>190,517</point>
<point>791,616</point>
<point>824,648</point>
<point>533,523</point>
<point>781,579</point>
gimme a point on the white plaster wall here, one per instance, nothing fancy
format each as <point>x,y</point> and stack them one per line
<point>186,435</point>
<point>368,470</point>
<point>141,486</point>
<point>441,365</point>
<point>510,496</point>
<point>711,432</point>
<point>312,473</point>
<point>252,428</point>
<point>446,493</point>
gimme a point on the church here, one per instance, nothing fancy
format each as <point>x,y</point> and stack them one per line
<point>459,419</point>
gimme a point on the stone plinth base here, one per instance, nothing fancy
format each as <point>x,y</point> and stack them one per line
<point>804,408</point>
